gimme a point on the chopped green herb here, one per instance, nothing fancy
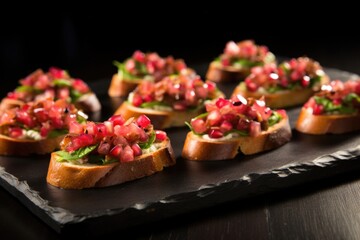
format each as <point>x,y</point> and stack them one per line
<point>77,154</point>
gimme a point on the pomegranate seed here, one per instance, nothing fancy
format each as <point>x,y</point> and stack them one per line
<point>225,62</point>
<point>75,127</point>
<point>117,120</point>
<point>215,133</point>
<point>198,126</point>
<point>232,49</point>
<point>243,124</point>
<point>44,131</point>
<point>318,109</point>
<point>116,151</point>
<point>221,102</point>
<point>100,131</point>
<point>305,81</point>
<point>130,65</point>
<point>137,100</point>
<point>251,86</point>
<point>211,86</point>
<point>41,114</point>
<point>139,56</point>
<point>57,72</point>
<point>143,121</point>
<point>80,86</point>
<point>160,135</point>
<point>127,154</point>
<point>136,149</point>
<point>214,118</point>
<point>226,126</point>
<point>15,132</point>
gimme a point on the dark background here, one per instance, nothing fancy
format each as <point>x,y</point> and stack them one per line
<point>85,40</point>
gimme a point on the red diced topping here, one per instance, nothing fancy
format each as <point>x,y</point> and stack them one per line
<point>143,121</point>
<point>198,125</point>
<point>136,149</point>
<point>137,100</point>
<point>127,154</point>
<point>80,86</point>
<point>139,56</point>
<point>117,120</point>
<point>24,117</point>
<point>214,118</point>
<point>75,127</point>
<point>226,126</point>
<point>215,133</point>
<point>130,65</point>
<point>57,72</point>
<point>160,135</point>
<point>116,151</point>
<point>318,109</point>
<point>15,132</point>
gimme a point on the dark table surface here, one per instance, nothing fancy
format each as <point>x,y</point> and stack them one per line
<point>328,208</point>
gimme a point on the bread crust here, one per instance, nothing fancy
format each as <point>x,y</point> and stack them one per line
<point>120,87</point>
<point>197,148</point>
<point>280,99</point>
<point>160,119</point>
<point>322,124</point>
<point>218,73</point>
<point>70,176</point>
<point>25,147</point>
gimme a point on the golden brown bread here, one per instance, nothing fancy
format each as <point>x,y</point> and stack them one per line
<point>120,87</point>
<point>160,119</point>
<point>198,148</point>
<point>309,123</point>
<point>70,176</point>
<point>219,73</point>
<point>26,147</point>
<point>280,99</point>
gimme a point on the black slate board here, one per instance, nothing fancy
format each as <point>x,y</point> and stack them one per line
<point>185,187</point>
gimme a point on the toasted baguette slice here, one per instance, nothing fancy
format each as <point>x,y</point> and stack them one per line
<point>218,73</point>
<point>280,99</point>
<point>120,87</point>
<point>26,147</point>
<point>160,119</point>
<point>71,176</point>
<point>321,124</point>
<point>199,148</point>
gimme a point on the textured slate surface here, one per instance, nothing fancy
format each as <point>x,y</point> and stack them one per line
<point>185,187</point>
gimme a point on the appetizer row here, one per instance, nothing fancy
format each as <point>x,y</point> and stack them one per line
<point>48,111</point>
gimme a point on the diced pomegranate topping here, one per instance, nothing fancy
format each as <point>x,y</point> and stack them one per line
<point>318,109</point>
<point>116,151</point>
<point>143,121</point>
<point>199,125</point>
<point>139,56</point>
<point>224,116</point>
<point>15,132</point>
<point>117,120</point>
<point>127,154</point>
<point>215,133</point>
<point>160,135</point>
<point>136,149</point>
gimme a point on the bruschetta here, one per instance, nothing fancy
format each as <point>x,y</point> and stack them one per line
<point>235,62</point>
<point>170,102</point>
<point>143,66</point>
<point>335,109</point>
<point>291,83</point>
<point>37,127</point>
<point>232,126</point>
<point>109,153</point>
<point>54,84</point>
